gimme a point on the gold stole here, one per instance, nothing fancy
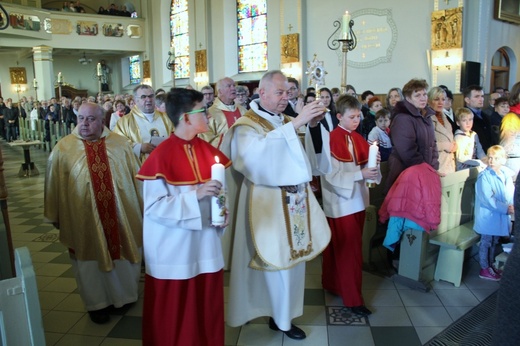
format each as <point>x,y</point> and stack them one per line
<point>103,190</point>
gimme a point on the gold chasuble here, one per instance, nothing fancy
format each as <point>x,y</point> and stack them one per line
<point>104,193</point>
<point>92,196</point>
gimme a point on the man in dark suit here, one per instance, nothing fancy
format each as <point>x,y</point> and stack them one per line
<point>295,102</point>
<point>474,100</point>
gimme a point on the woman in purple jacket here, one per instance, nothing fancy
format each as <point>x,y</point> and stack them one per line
<point>412,132</point>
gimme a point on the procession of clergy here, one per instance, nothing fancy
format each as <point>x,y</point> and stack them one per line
<point>143,192</point>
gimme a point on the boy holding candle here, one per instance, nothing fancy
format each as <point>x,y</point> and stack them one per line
<point>184,298</point>
<point>345,197</point>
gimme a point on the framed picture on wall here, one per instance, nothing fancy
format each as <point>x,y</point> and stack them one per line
<point>18,75</point>
<point>87,28</point>
<point>113,29</point>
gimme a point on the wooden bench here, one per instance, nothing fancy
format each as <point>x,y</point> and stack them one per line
<point>453,244</point>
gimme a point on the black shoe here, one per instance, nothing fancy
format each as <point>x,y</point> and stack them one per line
<point>99,316</point>
<point>360,310</point>
<point>293,333</point>
<point>121,310</point>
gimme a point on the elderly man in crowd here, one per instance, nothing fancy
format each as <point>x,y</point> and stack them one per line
<point>209,95</point>
<point>144,126</point>
<point>277,221</point>
<point>223,113</point>
<point>91,196</point>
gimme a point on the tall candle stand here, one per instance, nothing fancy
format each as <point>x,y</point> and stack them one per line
<point>99,74</point>
<point>348,43</point>
<point>170,65</point>
<point>35,86</point>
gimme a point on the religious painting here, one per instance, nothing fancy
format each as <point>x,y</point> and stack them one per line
<point>18,75</point>
<point>58,26</point>
<point>201,61</point>
<point>446,29</point>
<point>133,31</point>
<point>24,22</point>
<point>113,30</point>
<point>87,28</point>
<point>146,69</point>
<point>290,48</point>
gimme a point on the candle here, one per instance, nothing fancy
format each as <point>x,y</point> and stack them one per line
<point>60,77</point>
<point>372,161</point>
<point>172,51</point>
<point>35,83</point>
<point>345,25</point>
<point>99,70</point>
<point>218,203</point>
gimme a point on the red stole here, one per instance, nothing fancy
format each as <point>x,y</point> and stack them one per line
<point>339,138</point>
<point>104,194</point>
<point>232,116</point>
<point>182,162</point>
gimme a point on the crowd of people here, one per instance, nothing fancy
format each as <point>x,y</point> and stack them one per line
<point>171,140</point>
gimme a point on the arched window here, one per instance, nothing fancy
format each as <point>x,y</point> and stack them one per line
<point>500,70</point>
<point>252,35</point>
<point>180,38</point>
<point>134,64</point>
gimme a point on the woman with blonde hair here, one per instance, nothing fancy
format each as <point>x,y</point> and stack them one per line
<point>446,145</point>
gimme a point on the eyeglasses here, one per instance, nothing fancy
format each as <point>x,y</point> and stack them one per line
<point>207,94</point>
<point>151,97</point>
<point>293,88</point>
<point>203,109</point>
<point>195,111</point>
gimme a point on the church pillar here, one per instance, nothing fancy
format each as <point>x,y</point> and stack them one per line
<point>44,72</point>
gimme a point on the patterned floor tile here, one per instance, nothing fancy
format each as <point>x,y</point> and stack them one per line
<point>342,316</point>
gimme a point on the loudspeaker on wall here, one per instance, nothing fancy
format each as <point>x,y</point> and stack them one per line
<point>469,74</point>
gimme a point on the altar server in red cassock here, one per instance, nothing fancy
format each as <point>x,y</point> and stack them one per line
<point>345,198</point>
<point>183,296</point>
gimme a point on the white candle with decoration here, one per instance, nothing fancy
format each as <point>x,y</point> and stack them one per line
<point>172,51</point>
<point>372,161</point>
<point>35,83</point>
<point>218,203</point>
<point>99,70</point>
<point>60,77</point>
<point>345,25</point>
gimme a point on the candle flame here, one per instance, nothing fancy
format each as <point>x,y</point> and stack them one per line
<point>217,160</point>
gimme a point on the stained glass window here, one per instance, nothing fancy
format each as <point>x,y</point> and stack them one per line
<point>180,37</point>
<point>252,35</point>
<point>134,63</point>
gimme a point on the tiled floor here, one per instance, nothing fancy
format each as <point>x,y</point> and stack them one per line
<point>401,316</point>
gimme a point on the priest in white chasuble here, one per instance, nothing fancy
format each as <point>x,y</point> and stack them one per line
<point>92,197</point>
<point>277,222</point>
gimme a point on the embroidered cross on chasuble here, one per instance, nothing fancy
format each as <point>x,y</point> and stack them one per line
<point>103,191</point>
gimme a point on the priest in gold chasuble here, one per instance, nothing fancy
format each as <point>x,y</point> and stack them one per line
<point>92,197</point>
